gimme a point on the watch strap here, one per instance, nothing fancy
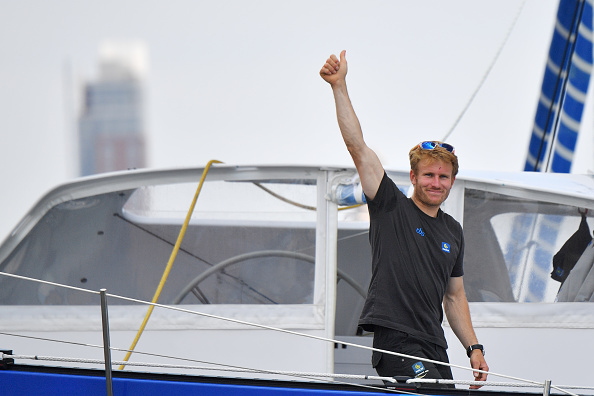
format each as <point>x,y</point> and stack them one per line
<point>473,347</point>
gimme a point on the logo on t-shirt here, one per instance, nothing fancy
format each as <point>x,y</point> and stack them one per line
<point>419,370</point>
<point>420,231</point>
<point>445,247</point>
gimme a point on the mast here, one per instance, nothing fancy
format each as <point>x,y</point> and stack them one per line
<point>565,85</point>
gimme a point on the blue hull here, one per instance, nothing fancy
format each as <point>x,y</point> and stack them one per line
<point>37,380</point>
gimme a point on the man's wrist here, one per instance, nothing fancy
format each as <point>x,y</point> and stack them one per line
<point>471,348</point>
<point>339,84</point>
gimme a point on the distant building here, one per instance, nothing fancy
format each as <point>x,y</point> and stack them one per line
<point>111,125</point>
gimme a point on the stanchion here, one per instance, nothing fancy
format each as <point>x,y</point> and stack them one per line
<point>106,344</point>
<point>547,388</point>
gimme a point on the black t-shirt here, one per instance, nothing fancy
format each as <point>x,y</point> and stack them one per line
<point>413,257</point>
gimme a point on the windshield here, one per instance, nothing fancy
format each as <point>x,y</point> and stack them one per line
<point>511,244</point>
<point>246,243</point>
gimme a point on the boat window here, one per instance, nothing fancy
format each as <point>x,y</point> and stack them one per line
<point>246,243</point>
<point>512,244</point>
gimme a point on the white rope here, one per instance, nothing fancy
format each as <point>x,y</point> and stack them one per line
<point>486,74</point>
<point>54,340</point>
<point>237,321</point>
<point>286,373</point>
<point>576,387</point>
<point>48,282</point>
<point>188,367</point>
<point>465,382</point>
<point>221,367</point>
<point>563,390</point>
<point>302,375</point>
<point>228,368</point>
<point>560,388</point>
<point>290,332</point>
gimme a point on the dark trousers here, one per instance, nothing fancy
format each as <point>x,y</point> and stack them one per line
<point>388,365</point>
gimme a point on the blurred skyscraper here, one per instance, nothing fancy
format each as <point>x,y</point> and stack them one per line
<point>111,125</point>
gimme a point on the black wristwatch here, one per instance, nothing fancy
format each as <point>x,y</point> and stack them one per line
<point>473,347</point>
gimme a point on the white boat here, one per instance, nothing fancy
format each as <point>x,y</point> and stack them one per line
<point>275,273</point>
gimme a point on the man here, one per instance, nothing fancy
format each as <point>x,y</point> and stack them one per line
<point>417,252</point>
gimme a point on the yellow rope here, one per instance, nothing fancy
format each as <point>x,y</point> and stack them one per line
<point>180,237</point>
<point>350,207</point>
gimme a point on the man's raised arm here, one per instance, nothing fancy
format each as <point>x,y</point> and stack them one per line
<point>366,161</point>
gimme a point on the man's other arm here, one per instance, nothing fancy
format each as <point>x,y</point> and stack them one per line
<point>456,309</point>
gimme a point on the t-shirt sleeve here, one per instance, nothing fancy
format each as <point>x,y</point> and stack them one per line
<point>458,269</point>
<point>386,197</point>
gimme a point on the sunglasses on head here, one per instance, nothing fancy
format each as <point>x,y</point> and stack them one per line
<point>428,145</point>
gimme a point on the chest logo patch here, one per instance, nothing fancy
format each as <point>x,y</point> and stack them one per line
<point>420,231</point>
<point>445,247</point>
<point>419,370</point>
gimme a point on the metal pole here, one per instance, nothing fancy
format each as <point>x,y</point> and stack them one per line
<point>106,345</point>
<point>547,388</point>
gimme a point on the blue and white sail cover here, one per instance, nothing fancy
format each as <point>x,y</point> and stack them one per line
<point>565,85</point>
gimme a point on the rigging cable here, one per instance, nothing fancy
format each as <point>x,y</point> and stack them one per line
<point>220,366</point>
<point>297,204</point>
<point>286,331</point>
<point>299,374</point>
<point>486,74</point>
<point>319,377</point>
<point>311,336</point>
<point>180,237</point>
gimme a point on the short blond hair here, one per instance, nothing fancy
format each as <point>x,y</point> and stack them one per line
<point>416,154</point>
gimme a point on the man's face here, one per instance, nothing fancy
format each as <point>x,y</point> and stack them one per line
<point>432,183</point>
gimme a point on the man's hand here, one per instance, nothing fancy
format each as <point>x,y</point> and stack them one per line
<point>334,70</point>
<point>477,361</point>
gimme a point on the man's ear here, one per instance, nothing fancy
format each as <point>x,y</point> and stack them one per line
<point>413,178</point>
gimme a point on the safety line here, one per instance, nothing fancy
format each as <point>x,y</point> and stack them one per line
<point>319,377</point>
<point>295,333</point>
<point>181,366</point>
<point>560,388</point>
<point>290,332</point>
<point>299,374</point>
<point>48,283</point>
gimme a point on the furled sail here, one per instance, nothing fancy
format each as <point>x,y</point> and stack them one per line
<point>564,87</point>
<point>554,136</point>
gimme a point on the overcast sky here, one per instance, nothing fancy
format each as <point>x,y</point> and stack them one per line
<point>238,81</point>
